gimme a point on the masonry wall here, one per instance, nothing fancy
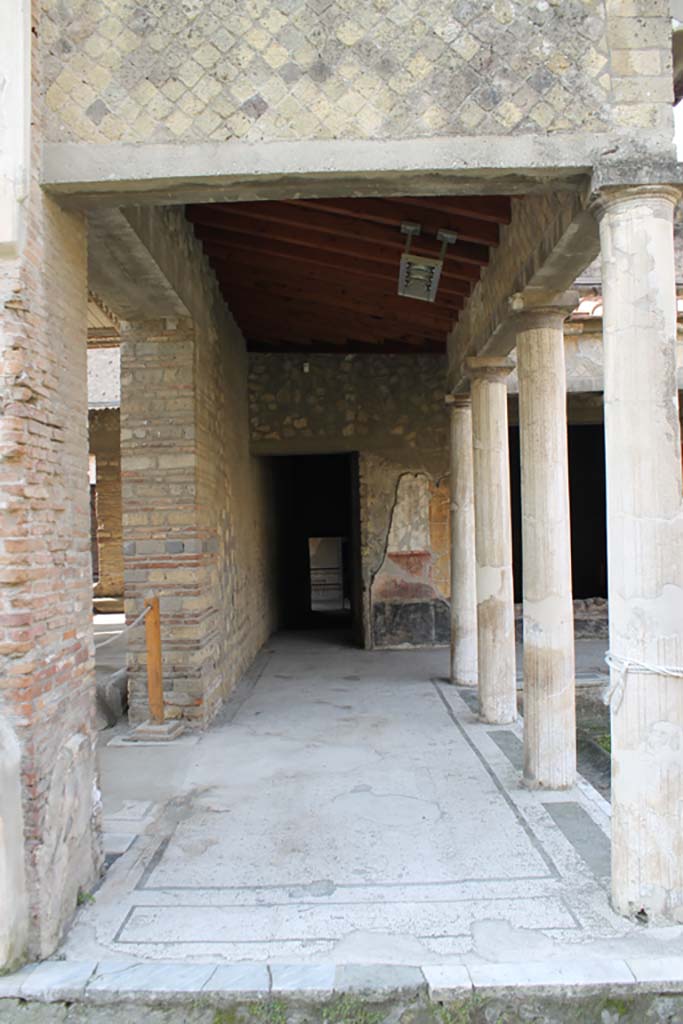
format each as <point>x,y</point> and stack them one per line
<point>198,511</point>
<point>49,846</point>
<point>391,410</point>
<point>219,71</point>
<point>105,444</point>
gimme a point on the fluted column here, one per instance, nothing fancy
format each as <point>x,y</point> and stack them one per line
<point>549,701</point>
<point>493,540</point>
<point>645,549</point>
<point>463,559</point>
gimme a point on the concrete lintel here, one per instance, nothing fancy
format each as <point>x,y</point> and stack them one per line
<point>94,174</point>
<point>123,272</point>
<point>551,284</point>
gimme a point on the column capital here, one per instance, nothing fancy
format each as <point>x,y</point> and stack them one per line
<point>491,368</point>
<point>460,400</point>
<point>542,309</point>
<point>611,196</point>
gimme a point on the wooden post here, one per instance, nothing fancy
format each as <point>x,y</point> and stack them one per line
<point>155,686</point>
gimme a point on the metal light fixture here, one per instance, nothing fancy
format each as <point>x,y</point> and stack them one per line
<point>418,276</point>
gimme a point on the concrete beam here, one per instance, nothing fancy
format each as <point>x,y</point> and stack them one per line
<point>549,241</point>
<point>123,272</point>
<point>110,174</point>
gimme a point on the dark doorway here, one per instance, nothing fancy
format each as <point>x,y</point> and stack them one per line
<point>319,582</point>
<point>588,510</point>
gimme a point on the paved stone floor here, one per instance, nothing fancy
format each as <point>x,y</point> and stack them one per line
<point>348,808</point>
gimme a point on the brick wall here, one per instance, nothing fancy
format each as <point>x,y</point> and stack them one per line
<point>46,652</point>
<point>164,551</point>
<point>235,496</point>
<point>105,445</point>
<point>198,514</point>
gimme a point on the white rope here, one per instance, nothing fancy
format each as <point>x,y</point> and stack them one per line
<point>118,636</point>
<point>620,668</point>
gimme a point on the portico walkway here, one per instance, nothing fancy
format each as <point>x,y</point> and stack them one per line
<point>349,808</point>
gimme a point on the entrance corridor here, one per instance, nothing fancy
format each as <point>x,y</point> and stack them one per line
<point>348,807</point>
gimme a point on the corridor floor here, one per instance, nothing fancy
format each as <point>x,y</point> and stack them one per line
<point>348,807</point>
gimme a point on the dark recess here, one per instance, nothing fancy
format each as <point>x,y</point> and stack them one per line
<point>587,510</point>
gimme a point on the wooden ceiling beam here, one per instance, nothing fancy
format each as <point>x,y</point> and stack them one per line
<point>258,344</point>
<point>328,274</point>
<point>392,212</point>
<point>373,294</point>
<point>304,320</point>
<point>497,209</point>
<point>396,308</point>
<point>292,223</point>
<point>311,321</point>
<point>349,252</point>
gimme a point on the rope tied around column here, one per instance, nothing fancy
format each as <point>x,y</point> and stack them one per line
<point>621,667</point>
<point>126,629</point>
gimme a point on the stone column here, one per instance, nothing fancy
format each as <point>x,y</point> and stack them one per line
<point>549,704</point>
<point>463,560</point>
<point>493,540</point>
<point>645,549</point>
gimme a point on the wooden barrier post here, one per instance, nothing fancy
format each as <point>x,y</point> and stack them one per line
<point>155,686</point>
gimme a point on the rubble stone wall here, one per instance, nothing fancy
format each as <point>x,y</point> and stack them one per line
<point>390,409</point>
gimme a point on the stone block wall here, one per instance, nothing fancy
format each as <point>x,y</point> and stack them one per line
<point>118,70</point>
<point>46,653</point>
<point>390,409</point>
<point>105,445</point>
<point>198,511</point>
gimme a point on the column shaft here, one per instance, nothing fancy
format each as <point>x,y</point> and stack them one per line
<point>645,548</point>
<point>549,703</point>
<point>463,558</point>
<point>493,541</point>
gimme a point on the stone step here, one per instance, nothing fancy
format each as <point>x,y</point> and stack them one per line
<point>604,990</point>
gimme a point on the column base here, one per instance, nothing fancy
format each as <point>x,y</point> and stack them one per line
<point>546,786</point>
<point>157,731</point>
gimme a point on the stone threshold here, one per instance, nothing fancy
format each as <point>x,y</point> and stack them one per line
<point>109,982</point>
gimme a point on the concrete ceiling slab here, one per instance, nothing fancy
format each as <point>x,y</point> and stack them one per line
<point>123,273</point>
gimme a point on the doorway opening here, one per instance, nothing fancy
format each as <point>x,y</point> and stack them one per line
<point>588,510</point>
<point>318,517</point>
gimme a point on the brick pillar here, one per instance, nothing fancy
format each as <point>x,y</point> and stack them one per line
<point>166,552</point>
<point>46,653</point>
